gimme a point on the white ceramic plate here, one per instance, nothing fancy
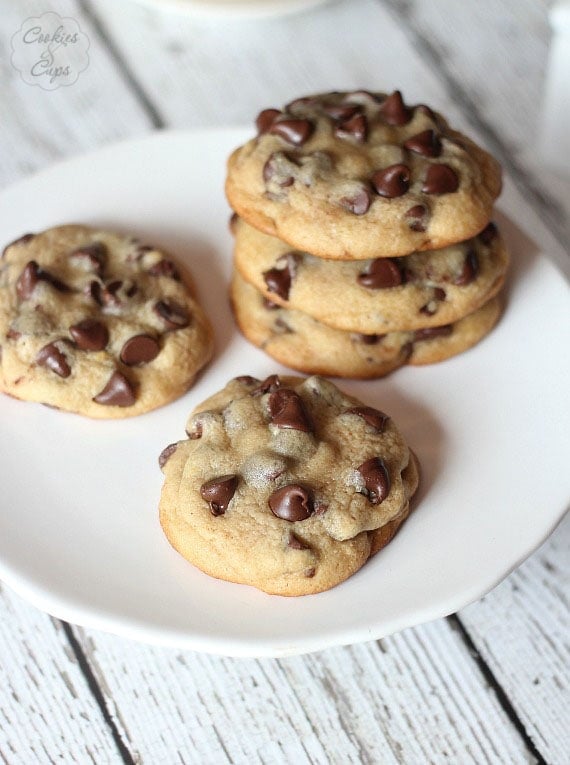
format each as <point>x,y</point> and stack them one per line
<point>233,8</point>
<point>79,532</point>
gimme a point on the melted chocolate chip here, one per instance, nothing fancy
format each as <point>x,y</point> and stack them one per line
<point>367,339</point>
<point>291,503</point>
<point>269,385</point>
<point>373,417</point>
<point>165,268</point>
<point>90,335</point>
<point>278,280</point>
<point>265,119</point>
<point>382,273</point>
<point>139,350</point>
<point>274,172</point>
<point>94,291</point>
<point>287,410</point>
<point>469,271</point>
<point>51,357</point>
<point>489,233</point>
<point>431,306</point>
<point>91,256</point>
<point>392,181</point>
<point>417,215</point>
<point>31,275</point>
<point>430,332</point>
<point>295,132</point>
<point>357,203</point>
<point>426,143</point>
<point>218,493</point>
<point>173,315</point>
<point>341,112</point>
<point>376,480</point>
<point>356,128</point>
<point>394,111</point>
<point>21,240</point>
<point>164,455</point>
<point>440,179</point>
<point>117,392</point>
<point>295,543</point>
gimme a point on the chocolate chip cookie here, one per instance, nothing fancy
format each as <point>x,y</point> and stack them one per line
<point>303,343</point>
<point>375,296</point>
<point>360,175</point>
<point>285,484</point>
<point>96,323</point>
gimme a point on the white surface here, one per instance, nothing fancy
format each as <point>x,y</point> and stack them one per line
<point>555,123</point>
<point>233,8</point>
<point>83,540</point>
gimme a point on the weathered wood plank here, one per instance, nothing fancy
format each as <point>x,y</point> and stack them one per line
<point>522,630</point>
<point>47,713</point>
<point>39,126</point>
<point>412,698</point>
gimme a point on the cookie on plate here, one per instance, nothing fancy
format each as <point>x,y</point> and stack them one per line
<point>285,484</point>
<point>360,175</point>
<point>96,323</point>
<point>303,343</point>
<point>375,296</point>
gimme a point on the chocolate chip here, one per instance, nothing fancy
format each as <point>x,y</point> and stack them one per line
<point>429,332</point>
<point>218,493</point>
<point>469,271</point>
<point>90,256</point>
<point>265,119</point>
<point>357,203</point>
<point>90,335</point>
<point>295,543</point>
<point>376,480</point>
<point>13,334</point>
<point>489,233</point>
<point>173,315</point>
<point>416,216</point>
<point>340,111</point>
<point>356,128</point>
<point>117,392</point>
<point>382,273</point>
<point>392,181</point>
<point>21,240</point>
<point>291,503</point>
<point>426,143</point>
<point>276,170</point>
<point>139,350</point>
<point>94,291</point>
<point>394,111</point>
<point>373,417</point>
<point>278,280</point>
<point>27,280</point>
<point>269,385</point>
<point>440,179</point>
<point>51,357</point>
<point>296,132</point>
<point>165,268</point>
<point>164,455</point>
<point>195,434</point>
<point>246,380</point>
<point>367,339</point>
<point>438,294</point>
<point>309,573</point>
<point>287,410</point>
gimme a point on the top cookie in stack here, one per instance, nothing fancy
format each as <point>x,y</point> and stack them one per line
<point>358,177</point>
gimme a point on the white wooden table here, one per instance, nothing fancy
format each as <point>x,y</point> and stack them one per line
<point>490,684</point>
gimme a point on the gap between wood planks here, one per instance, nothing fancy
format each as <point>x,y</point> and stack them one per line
<point>401,11</point>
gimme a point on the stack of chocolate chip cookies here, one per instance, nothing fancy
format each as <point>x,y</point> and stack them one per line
<point>363,238</point>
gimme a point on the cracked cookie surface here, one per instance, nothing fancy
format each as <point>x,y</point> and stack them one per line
<point>97,323</point>
<point>285,484</point>
<point>360,175</point>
